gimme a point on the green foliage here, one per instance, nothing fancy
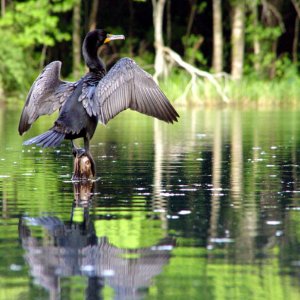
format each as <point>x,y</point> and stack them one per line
<point>146,61</point>
<point>201,7</point>
<point>16,64</point>
<point>265,93</point>
<point>30,28</point>
<point>175,84</point>
<point>265,37</point>
<point>35,23</point>
<point>192,53</point>
<point>285,67</point>
<point>281,92</point>
<point>24,27</point>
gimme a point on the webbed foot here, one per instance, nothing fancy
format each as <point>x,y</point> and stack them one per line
<point>78,152</point>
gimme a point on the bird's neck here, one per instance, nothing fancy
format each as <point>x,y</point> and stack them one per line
<point>93,61</point>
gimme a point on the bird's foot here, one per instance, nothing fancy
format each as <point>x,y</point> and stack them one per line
<point>79,152</point>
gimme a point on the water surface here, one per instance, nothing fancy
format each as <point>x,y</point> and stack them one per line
<point>208,208</point>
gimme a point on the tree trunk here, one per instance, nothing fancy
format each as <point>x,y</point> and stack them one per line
<point>297,7</point>
<point>93,15</point>
<point>295,41</point>
<point>158,14</point>
<point>130,27</point>
<point>296,32</point>
<point>76,39</point>
<point>191,17</point>
<point>217,37</point>
<point>169,23</point>
<point>256,42</point>
<point>191,58</point>
<point>237,39</point>
<point>272,18</point>
<point>3,8</point>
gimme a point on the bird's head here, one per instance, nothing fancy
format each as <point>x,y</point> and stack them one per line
<point>93,40</point>
<point>96,38</point>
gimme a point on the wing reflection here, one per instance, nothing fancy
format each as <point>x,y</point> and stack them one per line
<point>63,249</point>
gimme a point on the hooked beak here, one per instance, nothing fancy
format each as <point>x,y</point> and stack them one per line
<point>111,37</point>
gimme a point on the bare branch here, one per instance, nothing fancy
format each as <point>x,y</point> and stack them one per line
<point>194,72</point>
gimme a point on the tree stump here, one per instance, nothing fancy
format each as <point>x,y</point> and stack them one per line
<point>84,167</point>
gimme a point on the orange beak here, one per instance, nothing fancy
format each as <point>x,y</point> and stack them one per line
<point>111,37</point>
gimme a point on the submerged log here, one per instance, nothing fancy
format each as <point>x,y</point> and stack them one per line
<point>84,167</point>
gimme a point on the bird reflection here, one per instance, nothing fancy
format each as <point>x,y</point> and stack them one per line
<point>73,249</point>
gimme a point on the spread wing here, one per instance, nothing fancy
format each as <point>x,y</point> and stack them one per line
<point>47,94</point>
<point>126,85</point>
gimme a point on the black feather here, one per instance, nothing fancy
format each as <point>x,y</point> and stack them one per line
<point>51,138</point>
<point>97,95</point>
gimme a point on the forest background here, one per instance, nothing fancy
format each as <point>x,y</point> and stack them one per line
<point>201,51</point>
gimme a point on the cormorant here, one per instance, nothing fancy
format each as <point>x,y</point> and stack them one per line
<point>97,96</point>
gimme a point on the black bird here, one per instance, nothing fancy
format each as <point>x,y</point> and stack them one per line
<point>97,96</point>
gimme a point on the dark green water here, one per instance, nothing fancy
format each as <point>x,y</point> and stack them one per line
<point>208,208</point>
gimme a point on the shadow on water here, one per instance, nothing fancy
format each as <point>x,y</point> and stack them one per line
<point>225,185</point>
<point>72,248</point>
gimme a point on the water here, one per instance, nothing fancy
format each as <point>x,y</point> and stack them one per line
<point>208,208</point>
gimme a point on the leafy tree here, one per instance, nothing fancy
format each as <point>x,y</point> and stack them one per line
<point>25,27</point>
<point>35,32</point>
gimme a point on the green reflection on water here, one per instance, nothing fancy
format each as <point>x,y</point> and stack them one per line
<point>205,279</point>
<point>132,233</point>
<point>224,185</point>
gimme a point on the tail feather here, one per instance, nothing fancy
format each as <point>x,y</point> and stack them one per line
<point>51,138</point>
<point>49,141</point>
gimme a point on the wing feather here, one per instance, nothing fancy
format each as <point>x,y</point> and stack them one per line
<point>47,94</point>
<point>126,85</point>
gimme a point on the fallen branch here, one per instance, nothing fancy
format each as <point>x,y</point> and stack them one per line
<point>194,72</point>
